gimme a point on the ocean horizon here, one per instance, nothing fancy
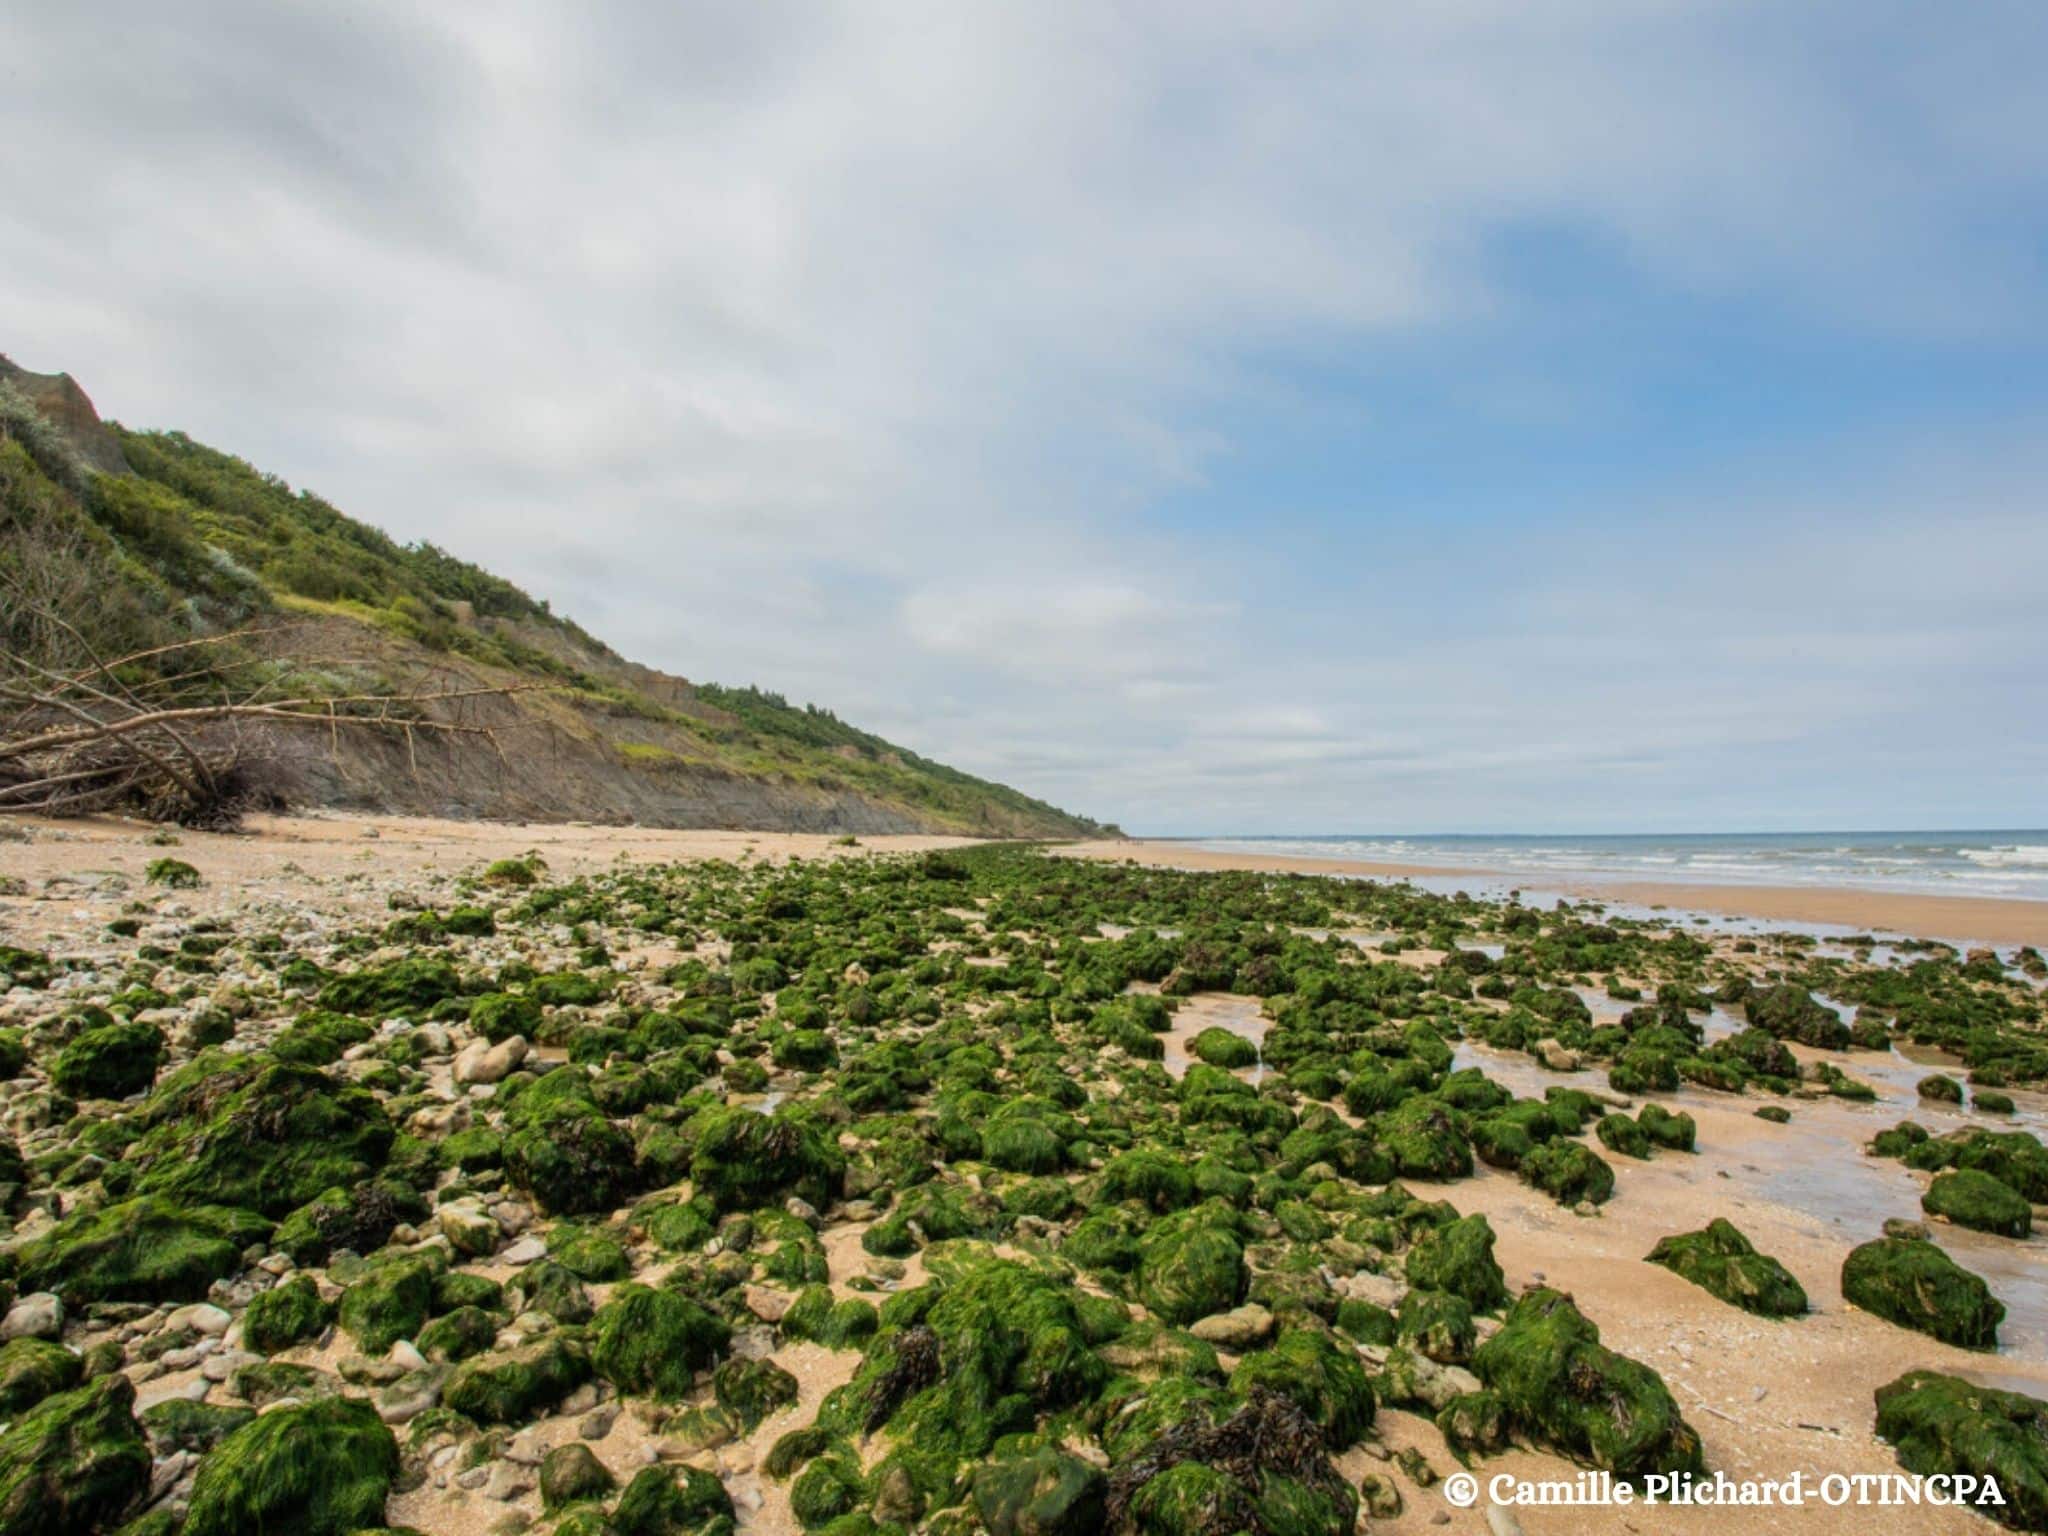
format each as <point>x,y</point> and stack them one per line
<point>2000,862</point>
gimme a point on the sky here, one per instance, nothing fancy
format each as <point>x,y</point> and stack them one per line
<point>1445,415</point>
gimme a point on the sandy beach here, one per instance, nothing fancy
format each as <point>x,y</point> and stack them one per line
<point>1988,920</point>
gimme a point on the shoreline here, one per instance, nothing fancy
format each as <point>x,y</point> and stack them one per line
<point>1985,919</point>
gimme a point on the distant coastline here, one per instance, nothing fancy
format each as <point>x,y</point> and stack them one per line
<point>1956,918</point>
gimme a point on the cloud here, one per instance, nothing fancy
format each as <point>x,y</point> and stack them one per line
<point>959,366</point>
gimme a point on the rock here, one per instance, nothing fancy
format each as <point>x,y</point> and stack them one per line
<point>38,1315</point>
<point>201,1317</point>
<point>527,1250</point>
<point>598,1423</point>
<point>1237,1330</point>
<point>1556,1056</point>
<point>1916,1285</point>
<point>482,1062</point>
<point>571,1472</point>
<point>74,1462</point>
<point>1046,1493</point>
<point>322,1469</point>
<point>1907,1231</point>
<point>412,1394</point>
<point>1380,1495</point>
<point>1502,1522</point>
<point>506,1481</point>
<point>768,1305</point>
<point>1722,1262</point>
<point>470,1229</point>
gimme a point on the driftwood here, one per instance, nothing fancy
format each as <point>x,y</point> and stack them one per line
<point>182,731</point>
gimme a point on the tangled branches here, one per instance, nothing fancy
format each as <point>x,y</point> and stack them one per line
<point>180,732</point>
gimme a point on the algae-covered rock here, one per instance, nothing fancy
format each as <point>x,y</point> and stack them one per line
<point>319,1469</point>
<point>1265,1468</point>
<point>1678,1132</point>
<point>33,1369</point>
<point>1458,1258</point>
<point>74,1462</point>
<point>1977,1200</point>
<point>1424,1141</point>
<point>673,1501</point>
<point>360,1220</point>
<point>1437,1324</point>
<point>570,1473</point>
<point>388,1303</point>
<point>1720,1260</point>
<point>572,1160</point>
<point>265,1136</point>
<point>750,1390</point>
<point>139,1250</point>
<point>1191,1272</point>
<point>109,1062</point>
<point>1045,1493</point>
<point>1791,1013</point>
<point>510,1387</point>
<point>744,1160</point>
<point>1914,1284</point>
<point>655,1341</point>
<point>1220,1047</point>
<point>1320,1374</point>
<point>1560,1385</point>
<point>285,1315</point>
<point>1569,1172</point>
<point>1618,1133</point>
<point>1945,1426</point>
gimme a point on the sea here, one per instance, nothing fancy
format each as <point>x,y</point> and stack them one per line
<point>2007,863</point>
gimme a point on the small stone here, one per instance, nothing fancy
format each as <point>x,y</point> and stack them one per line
<point>482,1062</point>
<point>1237,1330</point>
<point>38,1315</point>
<point>201,1317</point>
<point>598,1423</point>
<point>526,1251</point>
<point>507,1481</point>
<point>405,1353</point>
<point>768,1305</point>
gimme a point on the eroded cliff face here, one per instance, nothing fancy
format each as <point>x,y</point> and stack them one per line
<point>67,407</point>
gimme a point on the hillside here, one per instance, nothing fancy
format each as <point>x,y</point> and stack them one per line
<point>115,541</point>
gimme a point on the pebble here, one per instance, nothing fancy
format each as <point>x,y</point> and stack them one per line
<point>526,1251</point>
<point>38,1315</point>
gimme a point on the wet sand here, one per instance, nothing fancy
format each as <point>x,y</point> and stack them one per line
<point>1989,920</point>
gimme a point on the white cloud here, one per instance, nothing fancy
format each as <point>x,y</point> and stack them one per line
<point>850,349</point>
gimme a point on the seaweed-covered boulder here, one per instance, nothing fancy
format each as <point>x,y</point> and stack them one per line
<point>139,1250</point>
<point>655,1341</point>
<point>1458,1258</point>
<point>743,1160</point>
<point>407,988</point>
<point>571,1159</point>
<point>321,1468</point>
<point>1945,1426</point>
<point>360,1220</point>
<point>1422,1138</point>
<point>994,1344</point>
<point>266,1136</point>
<point>751,1390</point>
<point>1321,1375</point>
<point>571,1473</point>
<point>1266,1467</point>
<point>673,1501</point>
<point>284,1315</point>
<point>33,1369</point>
<point>1190,1271</point>
<point>1911,1282</point>
<point>1721,1261</point>
<point>1677,1132</point>
<point>1791,1013</point>
<point>1977,1200</point>
<point>110,1061</point>
<point>390,1302</point>
<point>1220,1047</point>
<point>1569,1172</point>
<point>1436,1324</point>
<point>74,1462</point>
<point>510,1387</point>
<point>1150,1178</point>
<point>1045,1493</point>
<point>1618,1133</point>
<point>1559,1384</point>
